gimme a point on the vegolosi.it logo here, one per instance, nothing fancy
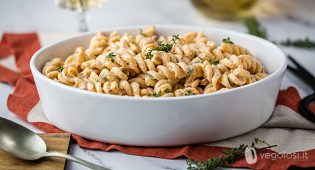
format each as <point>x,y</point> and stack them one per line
<point>251,155</point>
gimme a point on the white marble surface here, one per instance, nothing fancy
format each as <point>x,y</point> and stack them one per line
<point>282,18</point>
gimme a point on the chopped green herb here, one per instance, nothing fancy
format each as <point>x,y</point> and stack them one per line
<point>141,32</point>
<point>60,68</point>
<point>167,91</point>
<point>149,55</point>
<point>200,58</point>
<point>156,94</point>
<point>175,38</point>
<point>302,43</point>
<point>214,61</point>
<point>254,27</point>
<point>81,75</point>
<point>227,40</point>
<point>160,47</point>
<point>229,156</point>
<point>111,55</point>
<point>163,47</point>
<point>188,93</point>
<point>150,75</point>
<point>190,70</point>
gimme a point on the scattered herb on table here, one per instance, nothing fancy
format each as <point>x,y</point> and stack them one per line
<point>302,43</point>
<point>229,156</point>
<point>227,40</point>
<point>255,28</point>
<point>60,68</point>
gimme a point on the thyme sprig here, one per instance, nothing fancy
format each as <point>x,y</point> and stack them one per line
<point>229,156</point>
<point>255,28</point>
<point>302,43</point>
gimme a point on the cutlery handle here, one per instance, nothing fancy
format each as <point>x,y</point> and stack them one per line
<point>75,159</point>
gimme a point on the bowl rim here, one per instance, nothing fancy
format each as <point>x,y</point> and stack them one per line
<point>276,73</point>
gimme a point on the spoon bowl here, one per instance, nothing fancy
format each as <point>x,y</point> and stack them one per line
<point>20,141</point>
<point>25,144</point>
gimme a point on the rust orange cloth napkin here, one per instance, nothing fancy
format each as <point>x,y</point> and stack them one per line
<point>25,97</point>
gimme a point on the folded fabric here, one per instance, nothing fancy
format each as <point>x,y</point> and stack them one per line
<point>286,128</point>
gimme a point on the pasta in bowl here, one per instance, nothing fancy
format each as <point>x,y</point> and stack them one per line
<point>237,94</point>
<point>149,65</point>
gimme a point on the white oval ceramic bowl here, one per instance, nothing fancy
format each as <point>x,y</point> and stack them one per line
<point>161,121</point>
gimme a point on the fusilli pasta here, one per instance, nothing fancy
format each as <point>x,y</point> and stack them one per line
<point>146,65</point>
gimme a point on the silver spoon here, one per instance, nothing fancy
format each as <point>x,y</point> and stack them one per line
<point>25,144</point>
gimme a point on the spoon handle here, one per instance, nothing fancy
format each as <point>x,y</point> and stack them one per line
<point>75,159</point>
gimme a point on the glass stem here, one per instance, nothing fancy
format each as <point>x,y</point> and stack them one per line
<point>83,27</point>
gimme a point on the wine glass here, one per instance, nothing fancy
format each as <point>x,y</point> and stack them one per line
<point>81,6</point>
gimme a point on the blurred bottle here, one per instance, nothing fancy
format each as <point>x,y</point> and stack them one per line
<point>81,6</point>
<point>225,9</point>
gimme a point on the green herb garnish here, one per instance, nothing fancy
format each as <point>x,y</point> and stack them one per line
<point>190,70</point>
<point>254,27</point>
<point>162,47</point>
<point>302,43</point>
<point>81,75</point>
<point>149,55</point>
<point>150,75</point>
<point>141,32</point>
<point>214,61</point>
<point>188,93</point>
<point>175,38</point>
<point>229,156</point>
<point>60,68</point>
<point>227,40</point>
<point>111,55</point>
<point>156,94</point>
<point>167,91</point>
